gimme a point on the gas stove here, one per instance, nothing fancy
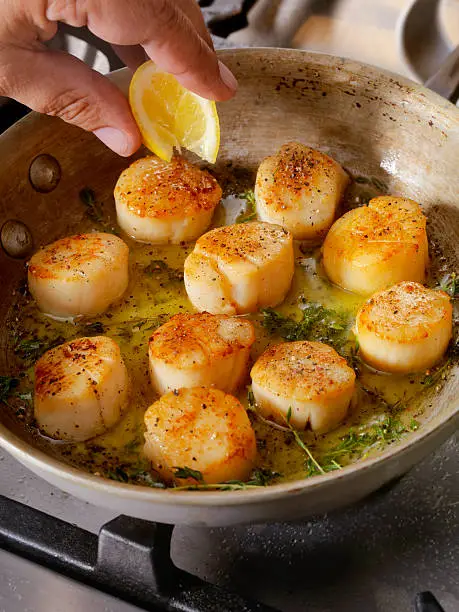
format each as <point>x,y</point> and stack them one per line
<point>396,551</point>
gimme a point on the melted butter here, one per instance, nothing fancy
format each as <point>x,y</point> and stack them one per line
<point>150,300</point>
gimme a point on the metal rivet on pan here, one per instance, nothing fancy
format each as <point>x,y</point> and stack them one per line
<point>16,239</point>
<point>44,173</point>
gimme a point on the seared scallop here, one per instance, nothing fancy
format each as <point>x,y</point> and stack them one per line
<point>307,380</point>
<point>300,188</point>
<point>201,429</point>
<point>160,202</point>
<point>193,350</point>
<point>406,328</point>
<point>80,275</point>
<point>238,269</point>
<point>375,246</point>
<point>81,389</point>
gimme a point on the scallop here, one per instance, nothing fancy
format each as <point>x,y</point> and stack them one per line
<point>303,383</point>
<point>202,349</point>
<point>406,328</point>
<point>79,275</point>
<point>238,269</point>
<point>375,246</point>
<point>81,389</point>
<point>200,429</point>
<point>300,188</point>
<point>165,202</point>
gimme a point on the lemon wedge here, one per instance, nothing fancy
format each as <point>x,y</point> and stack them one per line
<point>169,116</point>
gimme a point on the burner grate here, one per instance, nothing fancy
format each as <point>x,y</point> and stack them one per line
<point>130,558</point>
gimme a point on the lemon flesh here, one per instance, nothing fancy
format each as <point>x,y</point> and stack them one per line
<point>169,116</point>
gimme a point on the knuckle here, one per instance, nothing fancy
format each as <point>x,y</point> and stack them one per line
<point>72,107</point>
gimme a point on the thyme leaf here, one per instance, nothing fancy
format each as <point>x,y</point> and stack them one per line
<point>261,477</point>
<point>162,272</point>
<point>134,475</point>
<point>132,445</point>
<point>372,180</point>
<point>186,472</point>
<point>93,329</point>
<point>353,357</point>
<point>126,329</point>
<point>32,349</point>
<point>7,385</point>
<point>250,212</point>
<point>93,208</point>
<point>450,285</point>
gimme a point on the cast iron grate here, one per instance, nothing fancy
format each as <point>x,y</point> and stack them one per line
<point>130,559</point>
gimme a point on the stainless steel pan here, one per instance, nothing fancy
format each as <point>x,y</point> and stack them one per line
<point>373,122</point>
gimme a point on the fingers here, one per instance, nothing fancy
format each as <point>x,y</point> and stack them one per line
<point>58,84</point>
<point>167,31</point>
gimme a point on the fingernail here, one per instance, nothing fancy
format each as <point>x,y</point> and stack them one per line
<point>116,140</point>
<point>227,77</point>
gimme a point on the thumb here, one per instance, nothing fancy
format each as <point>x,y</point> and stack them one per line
<point>60,85</point>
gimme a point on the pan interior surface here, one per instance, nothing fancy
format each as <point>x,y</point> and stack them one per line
<point>375,124</point>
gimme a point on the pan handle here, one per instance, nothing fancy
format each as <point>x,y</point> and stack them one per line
<point>130,559</point>
<point>446,80</point>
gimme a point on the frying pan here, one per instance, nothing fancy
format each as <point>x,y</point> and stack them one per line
<point>373,122</point>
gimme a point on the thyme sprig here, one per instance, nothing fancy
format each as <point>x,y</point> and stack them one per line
<point>260,477</point>
<point>317,323</point>
<point>301,444</point>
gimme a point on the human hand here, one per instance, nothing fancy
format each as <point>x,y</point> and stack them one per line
<point>170,32</point>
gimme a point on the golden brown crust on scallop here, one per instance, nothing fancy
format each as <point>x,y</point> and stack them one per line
<point>72,253</point>
<point>252,241</point>
<point>193,340</point>
<point>381,229</point>
<point>297,169</point>
<point>154,188</point>
<point>302,370</point>
<point>405,313</point>
<point>54,370</point>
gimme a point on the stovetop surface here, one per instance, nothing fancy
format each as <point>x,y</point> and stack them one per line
<point>372,557</point>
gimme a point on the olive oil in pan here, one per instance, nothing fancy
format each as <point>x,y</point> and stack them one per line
<point>386,407</point>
